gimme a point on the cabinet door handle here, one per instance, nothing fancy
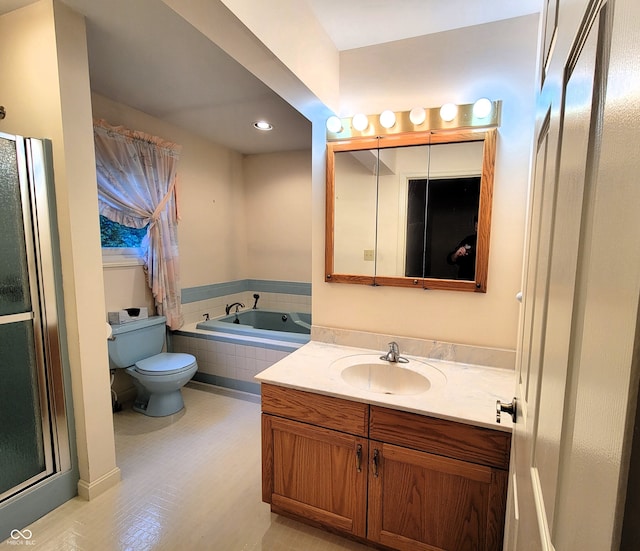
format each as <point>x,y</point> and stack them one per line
<point>359,458</point>
<point>375,461</point>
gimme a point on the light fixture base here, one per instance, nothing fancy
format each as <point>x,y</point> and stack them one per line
<point>463,120</point>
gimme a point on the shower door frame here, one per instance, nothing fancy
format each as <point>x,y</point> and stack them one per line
<point>38,213</point>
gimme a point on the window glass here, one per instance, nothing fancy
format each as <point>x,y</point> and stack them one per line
<point>114,235</point>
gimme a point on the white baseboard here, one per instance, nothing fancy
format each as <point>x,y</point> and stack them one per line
<point>90,490</point>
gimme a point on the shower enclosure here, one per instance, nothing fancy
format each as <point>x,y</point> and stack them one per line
<point>35,445</point>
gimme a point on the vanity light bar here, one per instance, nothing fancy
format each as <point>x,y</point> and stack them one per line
<point>482,114</point>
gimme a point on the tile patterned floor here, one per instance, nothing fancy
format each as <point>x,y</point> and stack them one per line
<point>190,481</point>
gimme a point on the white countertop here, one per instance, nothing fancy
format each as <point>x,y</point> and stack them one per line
<point>461,392</point>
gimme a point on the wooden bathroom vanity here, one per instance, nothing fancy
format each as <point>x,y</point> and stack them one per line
<point>393,478</point>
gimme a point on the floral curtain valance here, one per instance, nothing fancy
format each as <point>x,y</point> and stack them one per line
<point>136,175</point>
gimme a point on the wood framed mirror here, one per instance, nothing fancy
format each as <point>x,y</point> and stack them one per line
<point>410,210</point>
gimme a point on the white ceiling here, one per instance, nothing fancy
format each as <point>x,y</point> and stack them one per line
<point>143,55</point>
<point>357,23</point>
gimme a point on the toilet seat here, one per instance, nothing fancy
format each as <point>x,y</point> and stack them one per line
<point>165,363</point>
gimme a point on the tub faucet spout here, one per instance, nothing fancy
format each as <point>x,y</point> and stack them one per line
<point>228,307</point>
<point>393,355</point>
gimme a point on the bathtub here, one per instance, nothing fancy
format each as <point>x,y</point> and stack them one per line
<point>267,324</point>
<point>231,354</point>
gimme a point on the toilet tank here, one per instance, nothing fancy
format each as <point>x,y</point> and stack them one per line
<point>136,340</point>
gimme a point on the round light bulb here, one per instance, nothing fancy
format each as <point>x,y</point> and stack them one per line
<point>334,124</point>
<point>360,122</point>
<point>482,108</point>
<point>387,119</point>
<point>448,111</point>
<point>417,115</point>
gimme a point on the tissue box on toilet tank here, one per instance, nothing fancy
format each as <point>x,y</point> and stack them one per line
<point>127,315</point>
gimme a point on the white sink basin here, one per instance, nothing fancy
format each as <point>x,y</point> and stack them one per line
<point>370,373</point>
<point>385,379</point>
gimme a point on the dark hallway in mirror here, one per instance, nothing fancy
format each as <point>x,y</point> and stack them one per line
<point>441,214</point>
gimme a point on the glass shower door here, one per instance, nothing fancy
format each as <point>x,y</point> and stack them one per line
<point>27,383</point>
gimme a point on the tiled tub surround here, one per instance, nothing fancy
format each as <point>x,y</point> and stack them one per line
<point>232,361</point>
<point>468,396</point>
<point>280,325</point>
<point>274,295</point>
<point>227,360</point>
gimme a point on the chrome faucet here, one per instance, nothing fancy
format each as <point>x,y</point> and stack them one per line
<point>393,355</point>
<point>228,307</point>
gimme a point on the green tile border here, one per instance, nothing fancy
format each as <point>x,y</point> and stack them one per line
<point>284,287</point>
<point>205,292</point>
<point>227,382</point>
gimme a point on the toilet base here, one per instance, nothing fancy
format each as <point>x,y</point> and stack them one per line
<point>159,395</point>
<point>159,404</point>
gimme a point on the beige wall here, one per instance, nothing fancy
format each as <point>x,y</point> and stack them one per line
<point>277,207</point>
<point>125,287</point>
<point>45,89</point>
<point>497,61</point>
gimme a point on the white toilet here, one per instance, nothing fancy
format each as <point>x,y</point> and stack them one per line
<point>158,376</point>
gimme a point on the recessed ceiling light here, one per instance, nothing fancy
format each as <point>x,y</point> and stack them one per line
<point>263,125</point>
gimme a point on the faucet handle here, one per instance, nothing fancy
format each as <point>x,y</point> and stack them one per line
<point>394,354</point>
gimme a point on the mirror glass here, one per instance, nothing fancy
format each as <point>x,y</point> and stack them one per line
<point>355,198</point>
<point>411,210</point>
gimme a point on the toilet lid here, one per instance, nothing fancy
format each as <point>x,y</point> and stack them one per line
<point>165,363</point>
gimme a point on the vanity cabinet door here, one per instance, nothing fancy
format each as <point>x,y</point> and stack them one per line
<point>315,473</point>
<point>421,501</point>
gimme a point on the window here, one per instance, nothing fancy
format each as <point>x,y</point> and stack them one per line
<point>141,170</point>
<point>113,234</point>
<point>120,244</point>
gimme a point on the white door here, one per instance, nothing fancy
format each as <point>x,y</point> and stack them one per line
<point>566,160</point>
